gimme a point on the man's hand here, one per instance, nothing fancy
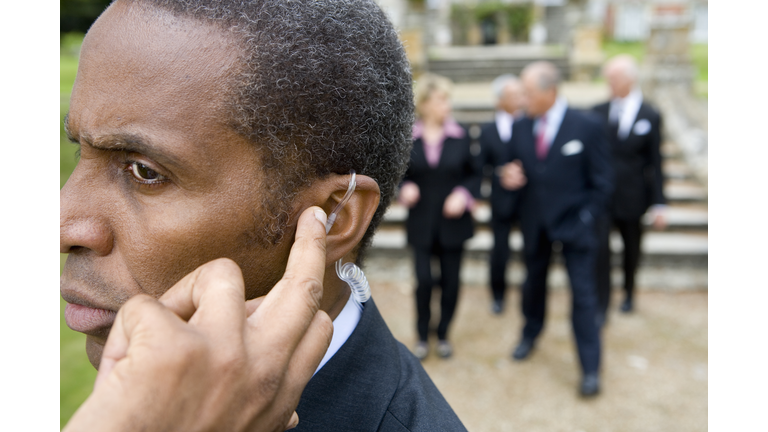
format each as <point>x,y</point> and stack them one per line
<point>455,205</point>
<point>659,217</point>
<point>409,194</point>
<point>512,176</point>
<point>201,358</point>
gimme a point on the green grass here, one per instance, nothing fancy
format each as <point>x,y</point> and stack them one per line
<point>77,374</point>
<point>614,48</point>
<point>700,60</point>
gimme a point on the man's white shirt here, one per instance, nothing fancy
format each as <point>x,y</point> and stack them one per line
<point>504,122</point>
<point>624,110</point>
<point>554,117</point>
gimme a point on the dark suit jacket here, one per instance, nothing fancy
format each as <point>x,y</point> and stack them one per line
<point>373,383</point>
<point>637,161</point>
<point>494,154</point>
<point>565,193</point>
<point>457,167</point>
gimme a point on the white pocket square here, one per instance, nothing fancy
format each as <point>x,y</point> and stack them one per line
<point>572,147</point>
<point>642,127</point>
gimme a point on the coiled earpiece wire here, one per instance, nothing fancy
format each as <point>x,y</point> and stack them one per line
<point>349,272</point>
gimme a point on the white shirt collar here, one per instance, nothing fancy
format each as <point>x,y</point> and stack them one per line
<point>554,116</point>
<point>343,326</point>
<point>629,107</point>
<point>504,121</point>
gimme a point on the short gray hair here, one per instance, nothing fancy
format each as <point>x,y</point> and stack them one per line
<point>498,84</point>
<point>626,64</point>
<point>548,75</point>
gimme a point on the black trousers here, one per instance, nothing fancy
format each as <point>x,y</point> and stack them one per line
<point>580,264</point>
<point>450,266</point>
<point>499,257</point>
<point>631,234</point>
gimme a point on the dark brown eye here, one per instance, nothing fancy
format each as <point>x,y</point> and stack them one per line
<point>144,174</point>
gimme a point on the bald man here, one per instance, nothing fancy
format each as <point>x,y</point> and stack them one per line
<point>634,132</point>
<point>494,142</point>
<point>561,167</point>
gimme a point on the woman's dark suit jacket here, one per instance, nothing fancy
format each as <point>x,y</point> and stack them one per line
<point>457,167</point>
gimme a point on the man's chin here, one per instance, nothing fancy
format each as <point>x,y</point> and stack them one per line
<point>94,347</point>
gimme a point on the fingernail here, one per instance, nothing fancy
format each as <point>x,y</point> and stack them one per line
<point>293,422</point>
<point>320,215</point>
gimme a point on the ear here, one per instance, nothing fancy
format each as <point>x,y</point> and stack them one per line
<point>353,219</point>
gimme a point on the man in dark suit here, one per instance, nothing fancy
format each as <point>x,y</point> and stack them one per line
<point>495,153</point>
<point>172,179</point>
<point>563,173</point>
<point>634,133</point>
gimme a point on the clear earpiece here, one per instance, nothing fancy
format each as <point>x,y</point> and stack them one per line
<point>349,272</point>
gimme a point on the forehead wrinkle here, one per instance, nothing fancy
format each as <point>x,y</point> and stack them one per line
<point>167,55</point>
<point>165,58</point>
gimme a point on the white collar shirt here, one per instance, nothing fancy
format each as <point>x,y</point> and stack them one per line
<point>624,110</point>
<point>554,117</point>
<point>343,326</point>
<point>504,122</point>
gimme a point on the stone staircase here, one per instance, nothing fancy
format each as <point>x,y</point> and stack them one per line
<point>673,259</point>
<point>484,63</point>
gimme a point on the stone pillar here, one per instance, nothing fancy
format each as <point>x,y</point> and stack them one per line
<point>667,59</point>
<point>668,77</point>
<point>587,55</point>
<point>439,16</point>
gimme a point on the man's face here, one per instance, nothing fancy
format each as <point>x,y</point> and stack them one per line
<point>163,185</point>
<point>539,101</point>
<point>618,81</point>
<point>512,97</point>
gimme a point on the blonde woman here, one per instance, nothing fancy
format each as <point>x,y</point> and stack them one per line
<point>438,189</point>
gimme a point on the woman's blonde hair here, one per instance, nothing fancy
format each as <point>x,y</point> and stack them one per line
<point>426,84</point>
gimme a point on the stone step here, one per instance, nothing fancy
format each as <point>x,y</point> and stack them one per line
<point>679,217</point>
<point>684,191</point>
<point>662,245</point>
<point>484,63</point>
<point>385,265</point>
<point>675,168</point>
<point>671,151</point>
<point>463,71</point>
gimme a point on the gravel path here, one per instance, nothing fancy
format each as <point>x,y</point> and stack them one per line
<point>654,373</point>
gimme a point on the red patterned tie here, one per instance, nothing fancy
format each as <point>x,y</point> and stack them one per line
<point>541,144</point>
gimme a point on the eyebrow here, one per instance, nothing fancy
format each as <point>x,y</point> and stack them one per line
<point>123,141</point>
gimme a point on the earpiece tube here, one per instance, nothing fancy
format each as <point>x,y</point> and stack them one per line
<point>349,272</point>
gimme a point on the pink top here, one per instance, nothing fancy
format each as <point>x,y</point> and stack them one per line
<point>433,151</point>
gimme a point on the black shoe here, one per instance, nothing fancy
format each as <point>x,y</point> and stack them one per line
<point>523,349</point>
<point>497,307</point>
<point>590,385</point>
<point>627,305</point>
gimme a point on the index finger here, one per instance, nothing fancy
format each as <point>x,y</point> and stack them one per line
<point>295,300</point>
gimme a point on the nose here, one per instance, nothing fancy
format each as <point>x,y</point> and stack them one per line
<point>83,225</point>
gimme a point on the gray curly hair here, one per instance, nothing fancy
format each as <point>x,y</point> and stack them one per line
<point>325,87</point>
